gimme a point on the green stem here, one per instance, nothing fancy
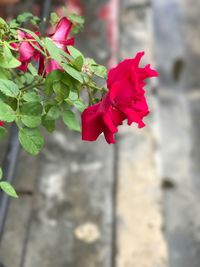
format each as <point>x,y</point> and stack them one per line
<point>90,97</point>
<point>18,103</point>
<point>31,42</point>
<point>31,86</point>
<point>19,41</point>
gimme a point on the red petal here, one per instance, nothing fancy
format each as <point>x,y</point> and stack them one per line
<point>122,70</point>
<point>52,65</point>
<point>133,116</point>
<point>96,120</point>
<point>26,51</point>
<point>24,66</point>
<point>109,136</point>
<point>62,30</point>
<point>92,123</point>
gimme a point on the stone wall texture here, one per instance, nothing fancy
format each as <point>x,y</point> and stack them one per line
<point>135,204</point>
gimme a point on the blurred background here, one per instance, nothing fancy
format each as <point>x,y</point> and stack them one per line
<point>135,204</point>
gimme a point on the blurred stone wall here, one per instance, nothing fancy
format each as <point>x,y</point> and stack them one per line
<point>134,204</point>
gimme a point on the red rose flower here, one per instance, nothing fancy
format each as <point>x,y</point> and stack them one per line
<point>101,118</point>
<point>59,38</point>
<point>1,123</point>
<point>125,100</point>
<point>27,47</point>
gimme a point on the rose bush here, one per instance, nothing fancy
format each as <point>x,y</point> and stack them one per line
<point>45,78</point>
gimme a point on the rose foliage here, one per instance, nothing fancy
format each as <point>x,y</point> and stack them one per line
<point>44,78</point>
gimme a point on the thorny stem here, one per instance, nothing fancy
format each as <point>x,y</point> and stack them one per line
<point>31,42</point>
<point>37,48</point>
<point>38,83</point>
<point>19,41</point>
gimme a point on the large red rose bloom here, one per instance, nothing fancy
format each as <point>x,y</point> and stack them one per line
<point>125,100</point>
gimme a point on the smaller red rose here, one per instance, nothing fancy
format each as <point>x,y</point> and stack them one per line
<point>26,49</point>
<point>60,39</point>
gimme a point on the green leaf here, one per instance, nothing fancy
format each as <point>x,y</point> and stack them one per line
<point>2,22</point>
<point>48,121</point>
<point>31,140</point>
<point>86,77</point>
<point>6,113</point>
<point>70,82</point>
<point>27,17</point>
<point>4,74</point>
<point>48,124</point>
<point>3,98</point>
<point>53,113</point>
<point>29,78</point>
<point>24,17</point>
<point>77,22</point>
<point>35,20</point>
<point>53,50</point>
<point>74,18</point>
<point>77,103</point>
<point>80,105</point>
<point>99,70</point>
<point>32,97</point>
<point>52,77</point>
<point>54,18</point>
<point>9,88</point>
<point>1,173</point>
<point>78,63</point>
<point>7,60</point>
<point>65,55</point>
<point>13,24</point>
<point>31,114</point>
<point>61,90</point>
<point>73,72</point>
<point>3,132</point>
<point>32,69</point>
<point>8,189</point>
<point>70,120</point>
<point>31,121</point>
<point>31,108</point>
<point>73,96</point>
<point>12,102</point>
<point>74,52</point>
